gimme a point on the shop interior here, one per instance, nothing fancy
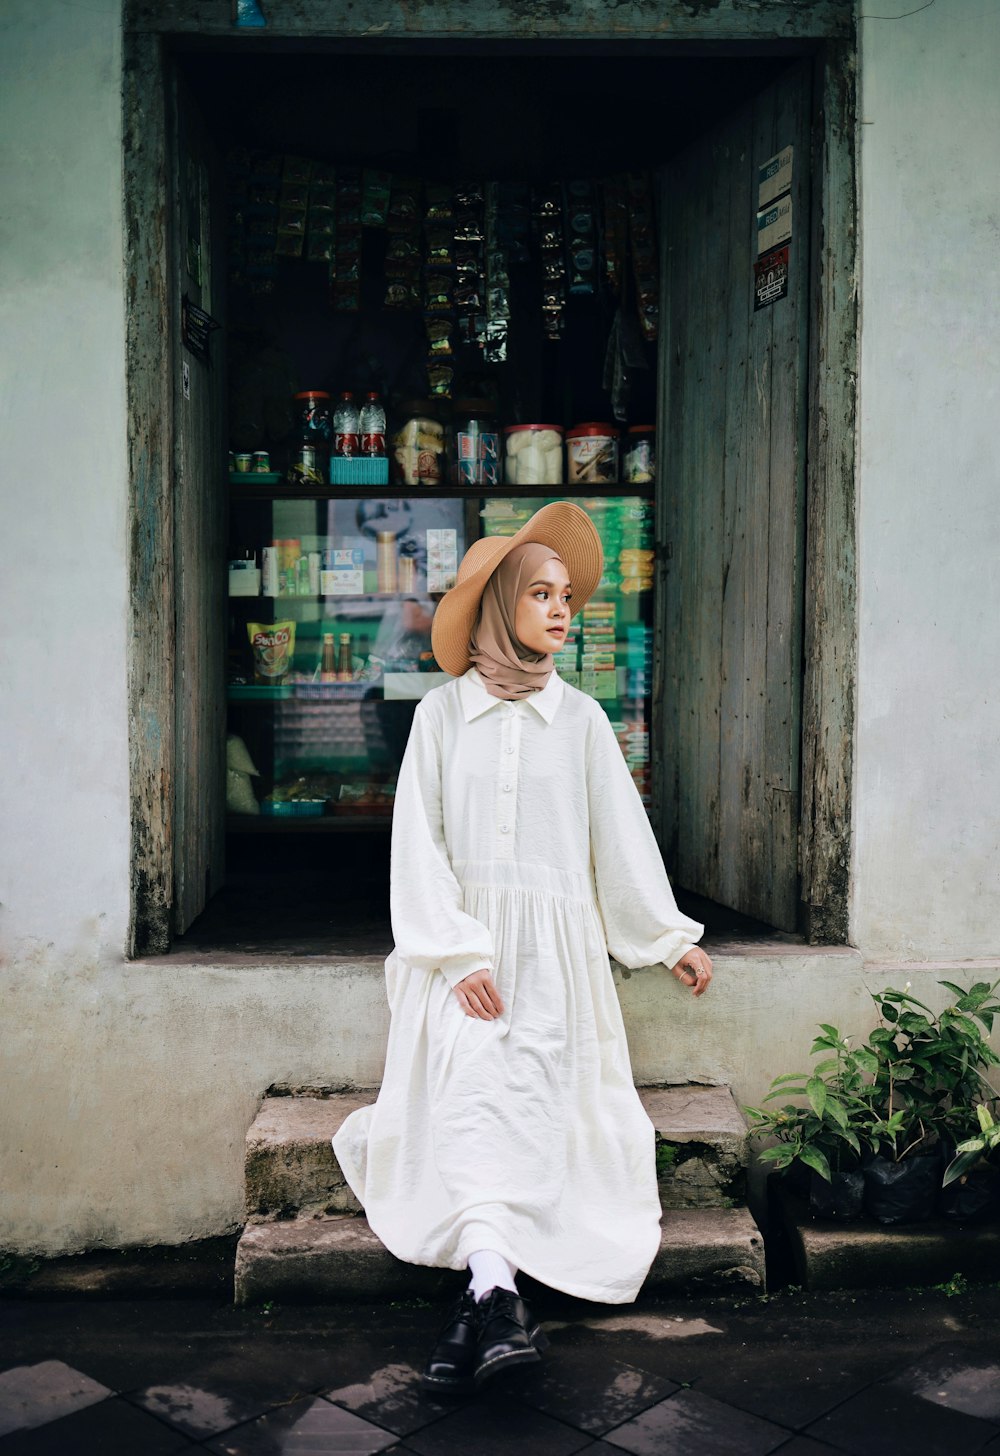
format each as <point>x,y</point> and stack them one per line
<point>457,119</point>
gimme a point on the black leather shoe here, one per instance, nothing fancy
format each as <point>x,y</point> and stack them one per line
<point>509,1334</point>
<point>452,1362</point>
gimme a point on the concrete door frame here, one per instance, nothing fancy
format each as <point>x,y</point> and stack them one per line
<point>670,26</point>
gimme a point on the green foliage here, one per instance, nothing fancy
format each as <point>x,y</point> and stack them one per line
<point>666,1156</point>
<point>915,1080</point>
<point>824,1134</point>
<point>957,1284</point>
<point>976,1149</point>
<point>929,1065</point>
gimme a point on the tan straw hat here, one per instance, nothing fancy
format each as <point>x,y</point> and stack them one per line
<point>563,526</point>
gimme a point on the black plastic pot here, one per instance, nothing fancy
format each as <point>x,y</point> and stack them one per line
<point>902,1192</point>
<point>841,1199</point>
<point>974,1198</point>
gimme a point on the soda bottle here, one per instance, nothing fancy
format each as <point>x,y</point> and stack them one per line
<point>346,426</point>
<point>372,426</point>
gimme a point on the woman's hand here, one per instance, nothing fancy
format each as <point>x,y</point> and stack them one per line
<point>694,969</point>
<point>478,996</point>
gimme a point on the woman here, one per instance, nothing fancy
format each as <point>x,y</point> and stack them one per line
<point>508,1133</point>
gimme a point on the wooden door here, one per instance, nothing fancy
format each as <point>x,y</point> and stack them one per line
<point>199,475</point>
<point>731,515</point>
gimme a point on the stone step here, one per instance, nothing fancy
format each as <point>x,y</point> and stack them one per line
<point>321,1258</point>
<point>869,1255</point>
<point>701,1151</point>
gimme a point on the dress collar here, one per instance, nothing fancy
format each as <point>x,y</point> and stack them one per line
<point>476,700</point>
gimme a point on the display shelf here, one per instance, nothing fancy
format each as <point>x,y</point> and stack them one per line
<point>269,493</point>
<point>324,824</point>
<point>372,598</point>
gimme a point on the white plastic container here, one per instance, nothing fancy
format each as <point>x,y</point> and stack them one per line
<point>534,455</point>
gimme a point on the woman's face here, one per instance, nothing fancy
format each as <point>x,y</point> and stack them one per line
<point>543,609</point>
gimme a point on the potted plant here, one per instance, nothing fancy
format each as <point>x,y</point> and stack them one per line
<point>822,1134</point>
<point>928,1071</point>
<point>971,1190</point>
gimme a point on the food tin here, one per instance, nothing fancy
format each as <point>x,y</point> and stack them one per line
<point>591,453</point>
<point>244,460</point>
<point>639,464</point>
<point>261,462</point>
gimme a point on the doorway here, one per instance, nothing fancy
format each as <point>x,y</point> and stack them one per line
<point>667,114</point>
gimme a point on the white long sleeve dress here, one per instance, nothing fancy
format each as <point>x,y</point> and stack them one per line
<point>519,843</point>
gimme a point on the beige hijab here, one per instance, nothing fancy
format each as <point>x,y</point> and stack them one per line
<point>507,667</point>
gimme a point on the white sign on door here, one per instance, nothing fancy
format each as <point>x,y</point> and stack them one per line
<point>774,177</point>
<point>774,225</point>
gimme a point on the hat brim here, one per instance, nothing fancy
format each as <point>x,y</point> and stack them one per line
<point>573,538</point>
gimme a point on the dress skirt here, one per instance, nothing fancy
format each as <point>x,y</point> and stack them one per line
<point>525,1134</point>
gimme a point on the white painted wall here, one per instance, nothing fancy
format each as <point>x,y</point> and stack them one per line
<point>64,780</point>
<point>127,1089</point>
<point>926,873</point>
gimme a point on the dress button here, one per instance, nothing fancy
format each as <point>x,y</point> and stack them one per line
<point>510,748</point>
<point>504,828</point>
<point>506,788</point>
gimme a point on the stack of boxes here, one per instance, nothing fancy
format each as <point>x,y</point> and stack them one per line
<point>597,654</point>
<point>633,739</point>
<point>638,661</point>
<point>567,660</point>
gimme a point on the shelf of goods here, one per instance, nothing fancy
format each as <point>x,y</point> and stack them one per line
<point>332,596</point>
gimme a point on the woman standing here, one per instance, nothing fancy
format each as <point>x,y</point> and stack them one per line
<point>508,1133</point>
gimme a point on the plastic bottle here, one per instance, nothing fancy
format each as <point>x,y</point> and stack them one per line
<point>372,426</point>
<point>346,426</point>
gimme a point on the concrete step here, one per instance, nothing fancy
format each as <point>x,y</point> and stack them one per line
<point>701,1151</point>
<point>319,1258</point>
<point>869,1255</point>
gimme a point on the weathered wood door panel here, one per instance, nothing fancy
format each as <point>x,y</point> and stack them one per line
<point>732,489</point>
<point>199,523</point>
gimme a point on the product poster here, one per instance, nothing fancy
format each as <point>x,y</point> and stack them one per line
<point>770,278</point>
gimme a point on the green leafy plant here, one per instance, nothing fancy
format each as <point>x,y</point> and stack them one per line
<point>825,1131</point>
<point>975,1150</point>
<point>957,1284</point>
<point>928,1066</point>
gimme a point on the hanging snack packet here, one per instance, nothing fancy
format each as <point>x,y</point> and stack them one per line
<point>439,336</point>
<point>404,204</point>
<point>437,292</point>
<point>375,190</point>
<point>273,647</point>
<point>615,232</point>
<point>581,236</point>
<point>438,202</point>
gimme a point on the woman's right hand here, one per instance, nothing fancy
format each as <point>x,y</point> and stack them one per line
<point>478,996</point>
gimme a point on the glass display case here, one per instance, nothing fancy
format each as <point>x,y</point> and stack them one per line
<point>331,597</point>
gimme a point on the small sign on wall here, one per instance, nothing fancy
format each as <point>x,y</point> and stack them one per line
<point>770,278</point>
<point>197,327</point>
<point>774,226</point>
<point>774,178</point>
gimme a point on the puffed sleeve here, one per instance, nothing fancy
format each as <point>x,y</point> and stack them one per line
<point>641,920</point>
<point>430,929</point>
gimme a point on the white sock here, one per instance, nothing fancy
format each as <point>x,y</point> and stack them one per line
<point>490,1271</point>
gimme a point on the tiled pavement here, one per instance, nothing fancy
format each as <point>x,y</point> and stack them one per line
<point>871,1374</point>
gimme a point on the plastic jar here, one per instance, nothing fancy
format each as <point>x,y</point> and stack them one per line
<point>476,459</point>
<point>639,464</point>
<point>591,453</point>
<point>534,455</point>
<point>419,446</point>
<point>313,411</point>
